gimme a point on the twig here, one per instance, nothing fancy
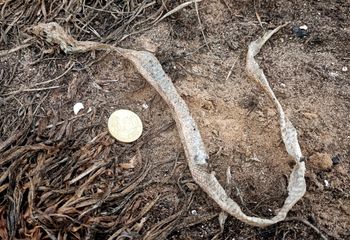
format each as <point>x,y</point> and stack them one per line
<point>231,69</point>
<point>31,90</point>
<point>90,19</point>
<point>201,26</point>
<point>56,78</point>
<point>228,7</point>
<point>15,49</point>
<point>60,123</point>
<point>157,20</point>
<point>255,158</point>
<point>258,16</point>
<point>176,9</point>
<point>307,223</point>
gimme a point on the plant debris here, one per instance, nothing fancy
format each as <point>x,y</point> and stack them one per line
<point>149,67</point>
<point>62,176</point>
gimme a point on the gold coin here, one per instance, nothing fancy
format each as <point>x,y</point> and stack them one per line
<point>125,125</point>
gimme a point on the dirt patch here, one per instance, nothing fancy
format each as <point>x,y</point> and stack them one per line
<point>61,174</point>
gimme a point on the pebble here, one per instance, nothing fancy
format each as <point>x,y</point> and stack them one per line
<point>310,116</point>
<point>299,32</point>
<point>336,159</point>
<point>77,107</point>
<point>326,183</point>
<point>145,106</point>
<point>303,27</point>
<point>344,69</point>
<point>320,161</point>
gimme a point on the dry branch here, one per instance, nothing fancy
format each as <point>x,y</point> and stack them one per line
<point>12,50</point>
<point>149,67</point>
<point>176,9</point>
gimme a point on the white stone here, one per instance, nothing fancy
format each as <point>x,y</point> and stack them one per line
<point>303,27</point>
<point>77,107</point>
<point>145,106</point>
<point>326,183</point>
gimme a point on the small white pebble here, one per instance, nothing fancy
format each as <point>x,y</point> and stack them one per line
<point>326,183</point>
<point>344,69</point>
<point>145,106</point>
<point>194,212</point>
<point>77,107</point>
<point>283,85</point>
<point>89,110</point>
<point>303,27</point>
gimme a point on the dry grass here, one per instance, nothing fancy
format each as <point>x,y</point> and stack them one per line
<point>55,184</point>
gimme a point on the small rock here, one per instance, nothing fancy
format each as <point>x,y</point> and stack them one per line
<point>192,186</point>
<point>194,212</point>
<point>145,106</point>
<point>326,183</point>
<point>336,159</point>
<point>320,161</point>
<point>344,69</point>
<point>303,27</point>
<point>77,107</point>
<point>310,116</point>
<point>299,32</point>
